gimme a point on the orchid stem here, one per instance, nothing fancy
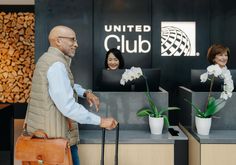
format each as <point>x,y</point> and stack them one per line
<point>146,84</point>
<point>209,94</point>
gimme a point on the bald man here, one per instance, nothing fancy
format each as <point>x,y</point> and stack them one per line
<point>53,98</point>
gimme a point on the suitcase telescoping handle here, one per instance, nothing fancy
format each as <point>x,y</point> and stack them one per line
<point>103,145</point>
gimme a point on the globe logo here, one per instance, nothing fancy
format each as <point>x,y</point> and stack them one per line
<point>174,42</point>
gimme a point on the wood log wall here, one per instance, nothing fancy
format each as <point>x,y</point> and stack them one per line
<point>16,56</point>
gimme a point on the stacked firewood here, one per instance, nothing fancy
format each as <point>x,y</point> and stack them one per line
<point>16,56</point>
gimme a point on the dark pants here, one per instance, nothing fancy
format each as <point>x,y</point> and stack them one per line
<point>75,155</point>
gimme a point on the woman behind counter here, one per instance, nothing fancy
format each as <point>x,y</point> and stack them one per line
<point>114,59</point>
<point>218,54</point>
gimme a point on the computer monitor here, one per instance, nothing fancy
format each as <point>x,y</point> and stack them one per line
<point>197,85</point>
<point>110,81</point>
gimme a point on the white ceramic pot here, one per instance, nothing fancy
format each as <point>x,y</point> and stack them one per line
<point>203,125</point>
<point>156,125</point>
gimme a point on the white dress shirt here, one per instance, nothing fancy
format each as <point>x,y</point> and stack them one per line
<point>61,93</point>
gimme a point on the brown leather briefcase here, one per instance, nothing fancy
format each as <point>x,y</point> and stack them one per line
<point>32,150</point>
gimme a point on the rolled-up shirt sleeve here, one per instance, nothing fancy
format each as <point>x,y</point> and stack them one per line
<point>61,93</point>
<point>79,90</point>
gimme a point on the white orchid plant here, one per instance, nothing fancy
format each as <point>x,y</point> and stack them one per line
<point>135,73</point>
<point>214,105</point>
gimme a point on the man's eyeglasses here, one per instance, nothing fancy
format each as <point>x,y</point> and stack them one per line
<point>71,38</point>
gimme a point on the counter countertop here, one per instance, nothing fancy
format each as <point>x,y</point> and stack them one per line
<point>130,137</point>
<point>216,137</point>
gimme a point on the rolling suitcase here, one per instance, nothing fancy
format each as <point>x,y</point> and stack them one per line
<point>116,145</point>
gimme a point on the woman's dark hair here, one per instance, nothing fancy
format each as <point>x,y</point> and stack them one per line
<point>214,50</point>
<point>118,55</point>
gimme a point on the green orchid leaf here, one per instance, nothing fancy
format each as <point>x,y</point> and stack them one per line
<point>152,104</point>
<point>196,109</point>
<point>152,115</point>
<point>211,102</point>
<point>210,107</point>
<point>144,112</point>
<point>168,109</point>
<point>166,121</point>
<point>220,103</point>
<point>215,107</point>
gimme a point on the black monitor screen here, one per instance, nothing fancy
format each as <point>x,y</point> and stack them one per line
<point>110,81</point>
<point>197,85</point>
